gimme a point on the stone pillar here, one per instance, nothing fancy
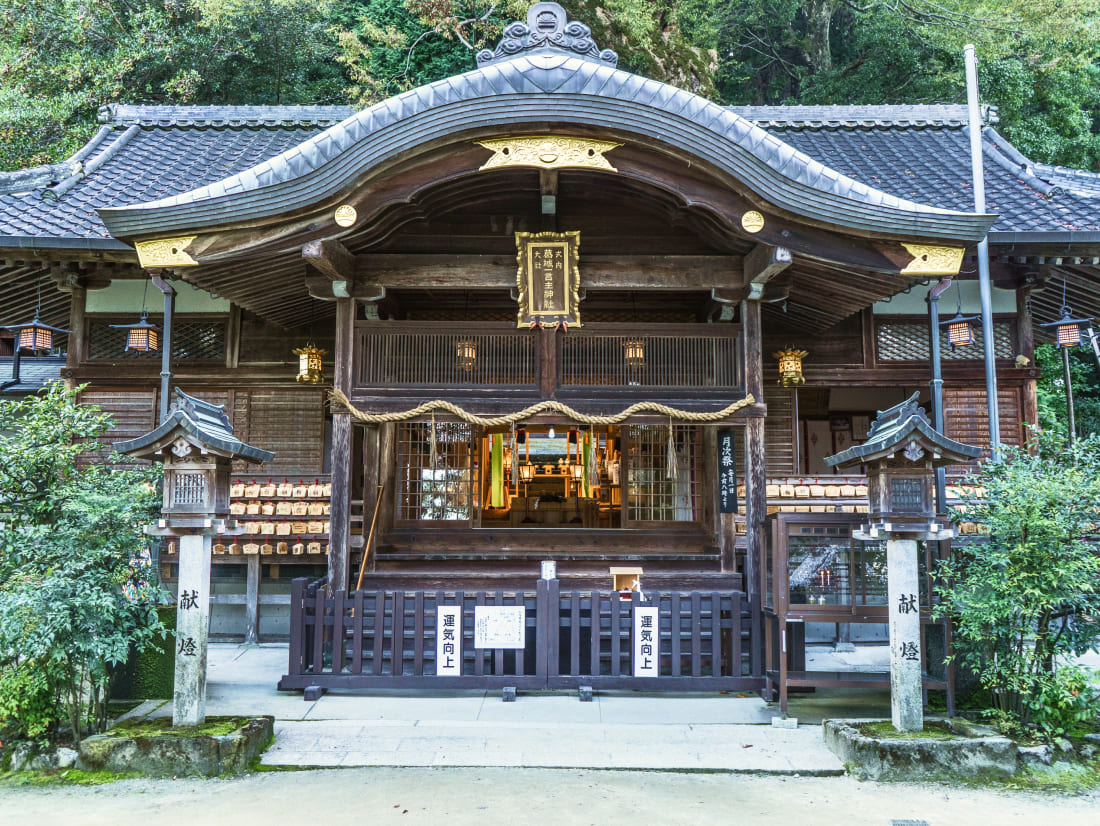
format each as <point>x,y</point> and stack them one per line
<point>906,698</point>
<point>192,630</point>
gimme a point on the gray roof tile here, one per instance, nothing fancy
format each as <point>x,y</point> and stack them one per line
<point>922,153</point>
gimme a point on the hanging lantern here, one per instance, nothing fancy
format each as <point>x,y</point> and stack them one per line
<point>142,337</point>
<point>634,353</point>
<point>309,364</point>
<point>1067,330</point>
<point>35,335</point>
<point>960,332</point>
<point>790,366</point>
<point>465,355</point>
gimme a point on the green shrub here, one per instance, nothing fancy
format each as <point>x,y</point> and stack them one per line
<point>1026,599</point>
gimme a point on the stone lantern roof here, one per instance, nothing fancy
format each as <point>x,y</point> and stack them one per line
<point>203,425</point>
<point>904,428</point>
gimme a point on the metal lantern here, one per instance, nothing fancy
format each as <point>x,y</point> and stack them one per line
<point>34,335</point>
<point>465,355</point>
<point>634,353</point>
<point>790,366</point>
<point>527,472</point>
<point>309,364</point>
<point>959,330</point>
<point>577,471</point>
<point>142,337</point>
<point>1067,330</point>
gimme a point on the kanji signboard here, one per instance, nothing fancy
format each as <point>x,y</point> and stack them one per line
<point>548,279</point>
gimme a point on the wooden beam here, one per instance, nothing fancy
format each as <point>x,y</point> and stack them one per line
<point>331,259</point>
<point>670,272</point>
<point>764,262</point>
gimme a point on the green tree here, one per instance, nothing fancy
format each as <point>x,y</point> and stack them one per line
<point>76,592</point>
<point>60,60</point>
<point>1025,598</point>
<point>1051,389</point>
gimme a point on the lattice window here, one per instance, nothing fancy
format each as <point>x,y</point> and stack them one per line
<point>188,488</point>
<point>653,494</point>
<point>440,492</point>
<point>192,339</point>
<point>908,341</point>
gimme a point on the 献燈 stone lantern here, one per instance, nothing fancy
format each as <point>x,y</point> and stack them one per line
<point>900,455</point>
<point>197,446</point>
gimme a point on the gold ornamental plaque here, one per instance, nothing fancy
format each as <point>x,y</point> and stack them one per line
<point>549,152</point>
<point>752,221</point>
<point>929,260</point>
<point>166,252</point>
<point>345,215</point>
<point>548,279</point>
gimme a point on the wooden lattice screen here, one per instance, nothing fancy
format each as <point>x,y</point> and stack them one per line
<point>909,341</point>
<point>192,339</point>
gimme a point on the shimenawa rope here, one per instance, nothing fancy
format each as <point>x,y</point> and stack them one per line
<point>540,407</point>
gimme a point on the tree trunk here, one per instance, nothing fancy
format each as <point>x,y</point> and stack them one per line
<point>819,16</point>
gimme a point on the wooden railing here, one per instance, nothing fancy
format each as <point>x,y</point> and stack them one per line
<point>395,354</point>
<point>627,355</point>
<point>392,356</point>
<point>388,639</point>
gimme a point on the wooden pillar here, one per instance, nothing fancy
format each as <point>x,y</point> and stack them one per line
<point>1025,344</point>
<point>76,350</point>
<point>387,463</point>
<point>756,505</point>
<point>341,450</point>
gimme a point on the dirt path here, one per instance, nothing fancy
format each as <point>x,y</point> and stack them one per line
<point>531,796</point>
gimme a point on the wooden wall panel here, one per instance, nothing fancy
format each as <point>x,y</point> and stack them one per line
<point>778,434</point>
<point>134,412</point>
<point>966,420</point>
<point>289,421</point>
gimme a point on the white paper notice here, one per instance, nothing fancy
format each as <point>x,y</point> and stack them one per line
<point>646,636</point>
<point>448,641</point>
<point>499,626</point>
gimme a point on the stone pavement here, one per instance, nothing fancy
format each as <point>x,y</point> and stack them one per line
<point>618,730</point>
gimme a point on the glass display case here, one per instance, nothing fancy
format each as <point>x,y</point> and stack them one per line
<point>815,570</point>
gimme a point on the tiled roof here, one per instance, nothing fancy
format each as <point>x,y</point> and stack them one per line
<point>34,373</point>
<point>922,153</point>
<point>143,153</point>
<point>531,89</point>
<point>151,153</point>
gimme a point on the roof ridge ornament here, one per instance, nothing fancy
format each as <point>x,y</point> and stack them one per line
<point>547,28</point>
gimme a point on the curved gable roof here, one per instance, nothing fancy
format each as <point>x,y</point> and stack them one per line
<point>524,93</point>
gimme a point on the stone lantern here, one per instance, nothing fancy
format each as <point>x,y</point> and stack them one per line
<point>901,455</point>
<point>197,447</point>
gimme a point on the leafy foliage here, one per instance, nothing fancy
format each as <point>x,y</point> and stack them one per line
<point>1051,388</point>
<point>1026,600</point>
<point>75,596</point>
<point>61,59</point>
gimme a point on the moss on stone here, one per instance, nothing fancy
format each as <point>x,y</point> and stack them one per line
<point>162,727</point>
<point>885,731</point>
<point>63,777</point>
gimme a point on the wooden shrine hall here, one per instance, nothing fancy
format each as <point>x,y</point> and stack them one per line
<point>546,310</point>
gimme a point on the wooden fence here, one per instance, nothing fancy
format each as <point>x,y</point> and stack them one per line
<point>388,639</point>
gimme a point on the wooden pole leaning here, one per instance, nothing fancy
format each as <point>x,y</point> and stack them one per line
<point>370,538</point>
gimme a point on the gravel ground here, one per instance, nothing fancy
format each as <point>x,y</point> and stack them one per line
<point>532,796</point>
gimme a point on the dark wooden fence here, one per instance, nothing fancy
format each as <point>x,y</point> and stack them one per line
<point>387,639</point>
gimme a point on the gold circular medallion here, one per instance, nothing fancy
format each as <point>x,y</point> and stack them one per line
<point>345,215</point>
<point>752,221</point>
